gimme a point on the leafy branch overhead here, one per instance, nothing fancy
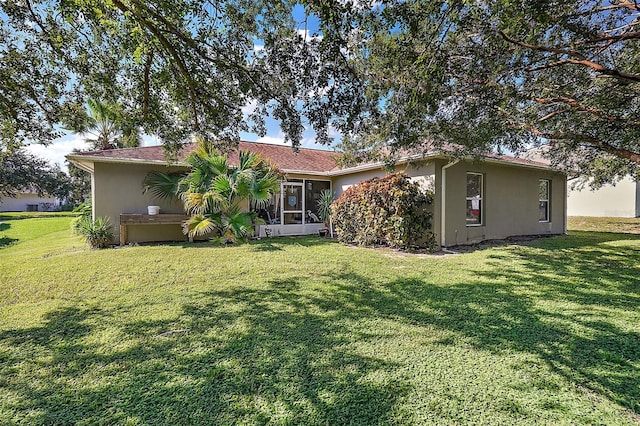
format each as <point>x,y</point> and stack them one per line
<point>391,76</point>
<point>179,67</point>
<point>501,75</point>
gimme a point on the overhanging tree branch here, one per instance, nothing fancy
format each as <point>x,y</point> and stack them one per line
<point>588,140</point>
<point>577,59</point>
<point>172,51</point>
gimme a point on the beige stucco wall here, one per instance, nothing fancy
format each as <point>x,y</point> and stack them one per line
<point>621,200</point>
<point>422,172</point>
<point>20,201</point>
<point>510,203</point>
<point>117,189</point>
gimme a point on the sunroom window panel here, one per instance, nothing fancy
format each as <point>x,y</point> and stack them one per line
<point>292,218</point>
<point>313,188</point>
<point>292,198</point>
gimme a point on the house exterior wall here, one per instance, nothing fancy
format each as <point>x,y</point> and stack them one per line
<point>421,172</point>
<point>117,189</point>
<point>510,203</point>
<point>621,200</point>
<point>20,202</point>
<point>342,183</point>
<point>510,199</point>
<point>638,199</point>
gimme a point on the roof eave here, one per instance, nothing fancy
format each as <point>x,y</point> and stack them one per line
<point>98,159</point>
<point>528,166</point>
<point>377,165</point>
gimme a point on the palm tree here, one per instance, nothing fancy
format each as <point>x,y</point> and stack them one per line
<point>108,127</point>
<point>213,192</point>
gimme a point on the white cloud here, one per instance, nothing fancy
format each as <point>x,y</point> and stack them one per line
<point>274,140</point>
<point>56,151</point>
<point>249,108</point>
<point>150,140</point>
<point>308,35</point>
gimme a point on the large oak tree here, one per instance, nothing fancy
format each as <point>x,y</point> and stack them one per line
<point>176,67</point>
<point>503,75</point>
<point>482,75</point>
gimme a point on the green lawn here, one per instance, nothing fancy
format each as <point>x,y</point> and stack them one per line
<point>307,331</point>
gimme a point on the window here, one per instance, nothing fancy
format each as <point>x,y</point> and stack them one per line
<point>544,192</point>
<point>474,199</point>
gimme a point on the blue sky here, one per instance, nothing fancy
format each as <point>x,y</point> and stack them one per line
<point>59,148</point>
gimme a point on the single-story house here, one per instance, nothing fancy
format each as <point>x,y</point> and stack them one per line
<point>496,198</point>
<point>28,200</point>
<point>620,200</point>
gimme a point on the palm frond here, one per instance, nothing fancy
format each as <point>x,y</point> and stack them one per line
<point>224,185</point>
<point>236,224</point>
<point>261,191</point>
<point>163,186</point>
<point>199,225</point>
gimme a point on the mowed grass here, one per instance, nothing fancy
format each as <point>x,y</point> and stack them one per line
<point>308,331</point>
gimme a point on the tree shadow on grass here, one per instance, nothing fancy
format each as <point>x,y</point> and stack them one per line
<point>284,353</point>
<point>247,356</point>
<point>490,315</point>
<point>280,243</point>
<point>6,241</point>
<point>594,278</point>
<point>263,244</point>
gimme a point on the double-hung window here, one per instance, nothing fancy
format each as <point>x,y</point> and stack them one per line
<point>474,199</point>
<point>544,197</point>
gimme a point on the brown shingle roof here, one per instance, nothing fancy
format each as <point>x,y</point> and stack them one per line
<point>519,160</point>
<point>305,160</point>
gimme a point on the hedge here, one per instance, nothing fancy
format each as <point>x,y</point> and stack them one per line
<point>391,211</point>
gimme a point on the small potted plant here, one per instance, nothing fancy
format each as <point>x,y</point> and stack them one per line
<point>324,210</point>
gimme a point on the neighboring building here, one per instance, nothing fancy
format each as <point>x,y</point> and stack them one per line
<point>474,201</point>
<point>621,200</point>
<point>28,201</point>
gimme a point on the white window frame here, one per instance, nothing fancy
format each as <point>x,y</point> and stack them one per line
<point>283,199</point>
<point>481,199</point>
<point>547,200</point>
<point>303,185</point>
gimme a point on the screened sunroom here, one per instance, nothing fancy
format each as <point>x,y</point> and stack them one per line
<point>294,211</point>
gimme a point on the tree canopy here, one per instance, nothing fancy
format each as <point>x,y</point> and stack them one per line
<point>22,171</point>
<point>481,76</point>
<point>179,67</point>
<point>501,75</point>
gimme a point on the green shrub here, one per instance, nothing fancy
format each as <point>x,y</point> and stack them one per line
<point>391,211</point>
<point>84,211</point>
<point>98,233</point>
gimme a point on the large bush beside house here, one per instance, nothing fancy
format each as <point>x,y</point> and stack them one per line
<point>392,211</point>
